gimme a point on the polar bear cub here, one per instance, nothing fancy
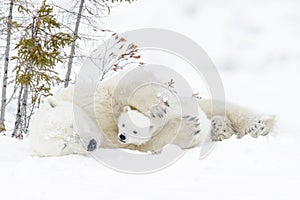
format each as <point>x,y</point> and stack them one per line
<point>134,127</point>
<point>54,131</point>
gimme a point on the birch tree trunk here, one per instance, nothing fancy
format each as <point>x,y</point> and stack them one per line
<point>73,46</point>
<point>26,118</point>
<point>22,120</point>
<point>18,121</point>
<point>6,61</point>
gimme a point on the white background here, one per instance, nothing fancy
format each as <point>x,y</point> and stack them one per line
<point>256,46</point>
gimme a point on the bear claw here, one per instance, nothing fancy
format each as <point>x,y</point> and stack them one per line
<point>220,128</point>
<point>193,122</point>
<point>259,127</point>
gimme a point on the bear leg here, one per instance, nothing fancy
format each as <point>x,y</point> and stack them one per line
<point>240,120</point>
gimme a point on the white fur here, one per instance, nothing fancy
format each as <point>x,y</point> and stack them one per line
<point>101,115</point>
<point>52,130</point>
<point>134,127</point>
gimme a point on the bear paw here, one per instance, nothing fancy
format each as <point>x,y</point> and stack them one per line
<point>260,127</point>
<point>158,115</point>
<point>221,128</point>
<point>193,123</point>
<point>158,111</point>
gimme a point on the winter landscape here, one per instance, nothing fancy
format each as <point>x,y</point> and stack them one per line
<point>256,47</point>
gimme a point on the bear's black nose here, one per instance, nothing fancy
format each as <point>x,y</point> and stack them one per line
<point>122,137</point>
<point>92,145</point>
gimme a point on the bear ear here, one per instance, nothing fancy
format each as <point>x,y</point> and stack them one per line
<point>126,109</point>
<point>52,102</point>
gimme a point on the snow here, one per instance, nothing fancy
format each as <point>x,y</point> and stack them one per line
<point>234,33</point>
<point>255,44</point>
<point>263,168</point>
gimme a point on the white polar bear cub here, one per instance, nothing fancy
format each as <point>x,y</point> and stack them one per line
<point>138,129</point>
<point>134,127</point>
<point>144,122</point>
<point>53,131</point>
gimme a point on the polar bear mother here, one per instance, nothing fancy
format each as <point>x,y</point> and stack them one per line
<point>144,120</point>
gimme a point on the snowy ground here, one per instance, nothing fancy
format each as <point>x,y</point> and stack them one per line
<point>261,168</point>
<point>256,45</point>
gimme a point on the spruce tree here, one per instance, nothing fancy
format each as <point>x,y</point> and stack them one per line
<point>38,51</point>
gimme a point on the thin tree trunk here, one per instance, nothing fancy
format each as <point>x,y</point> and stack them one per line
<point>21,123</point>
<point>24,111</point>
<point>6,61</point>
<point>72,52</point>
<point>18,121</point>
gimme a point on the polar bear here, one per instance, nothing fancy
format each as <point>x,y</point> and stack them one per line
<point>147,119</point>
<point>54,135</point>
<point>134,127</point>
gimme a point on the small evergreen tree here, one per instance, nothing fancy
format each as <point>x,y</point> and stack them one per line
<point>39,50</point>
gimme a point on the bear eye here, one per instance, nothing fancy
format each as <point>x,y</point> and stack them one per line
<point>134,132</point>
<point>123,125</point>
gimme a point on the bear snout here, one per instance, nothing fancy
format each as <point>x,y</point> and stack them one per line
<point>92,145</point>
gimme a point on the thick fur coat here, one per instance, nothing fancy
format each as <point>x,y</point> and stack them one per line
<point>93,115</point>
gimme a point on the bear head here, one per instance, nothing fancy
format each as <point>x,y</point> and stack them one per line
<point>134,127</point>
